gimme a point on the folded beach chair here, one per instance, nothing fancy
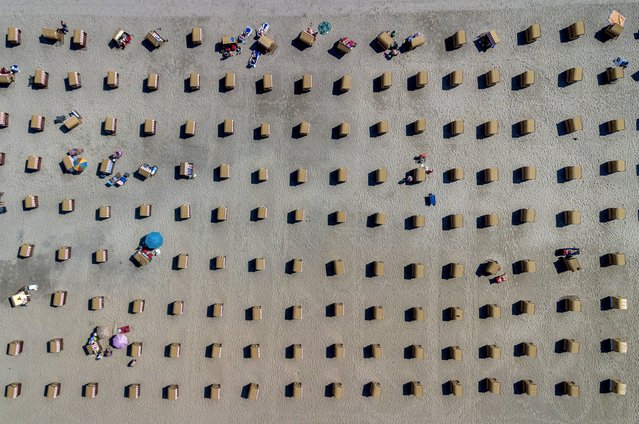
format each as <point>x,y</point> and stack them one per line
<point>79,39</point>
<point>611,259</point>
<point>67,205</point>
<point>63,254</point>
<point>152,81</point>
<point>525,307</point>
<point>455,388</point>
<point>259,264</point>
<point>301,175</point>
<point>15,347</point>
<point>194,81</point>
<point>384,40</point>
<point>382,127</point>
<point>576,30</point>
<point>336,390</point>
<point>216,350</point>
<point>527,126</point>
<point>196,36</point>
<point>14,36</point>
<point>137,306</point>
<point>492,77</point>
<point>262,175</point>
<point>421,79</point>
<point>218,310</point>
<point>297,351</point>
<point>182,261</point>
<point>529,349</point>
<point>133,391</point>
<point>617,302</point>
<point>491,128</point>
<point>417,270</point>
<point>340,217</point>
<point>527,79</point>
<point>304,128</point>
<point>262,212</point>
<point>419,126</point>
<point>338,309</point>
<point>253,391</point>
<point>571,217</point>
<point>376,351</point>
<point>574,75</point>
<point>175,350</point>
<point>267,82</point>
<point>378,269</point>
<point>616,125</point>
<point>343,129</point>
<point>101,256</point>
<point>185,212</point>
<point>492,311</point>
<point>255,351</point>
<point>229,126</point>
<point>4,119</point>
<point>307,83</point>
<point>455,78</point>
<point>379,218</point>
<point>527,387</point>
<point>455,221</point>
<point>615,213</point>
<point>418,221</point>
<point>491,268</point>
<point>173,391</point>
<point>345,83</point>
<point>614,166</point>
<point>229,81</point>
<point>455,270</point>
<point>145,210</point>
<point>31,202</point>
<point>52,390</point>
<point>455,313</point>
<point>37,123</point>
<point>490,175</point>
<point>113,79</point>
<point>386,81</point>
<point>533,33</point>
<point>491,385</point>
<point>55,345</point>
<point>265,130</point>
<point>456,127</point>
<point>526,266</point>
<point>375,389</point>
<point>96,303</point>
<point>417,313</point>
<point>490,220</point>
<point>110,125</point>
<point>13,390</point>
<point>59,298</point>
<point>338,266</point>
<point>2,158</point>
<point>455,174</point>
<point>177,307</point>
<point>296,312</point>
<point>298,215</point>
<point>614,74</point>
<point>568,346</point>
<point>572,172</point>
<point>492,351</point>
<point>41,79</point>
<point>150,126</point>
<point>26,250</point>
<point>613,30</point>
<point>569,388</point>
<point>90,390</point>
<point>256,313</point>
<point>74,80</point>
<point>570,304</point>
<point>219,262</point>
<point>458,39</point>
<point>573,124</point>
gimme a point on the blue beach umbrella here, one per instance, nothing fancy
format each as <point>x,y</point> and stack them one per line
<point>153,240</point>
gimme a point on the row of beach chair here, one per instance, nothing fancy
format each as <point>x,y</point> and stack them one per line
<point>335,390</point>
<point>374,269</point>
<point>374,313</point>
<point>531,34</point>
<point>343,84</point>
<point>343,129</point>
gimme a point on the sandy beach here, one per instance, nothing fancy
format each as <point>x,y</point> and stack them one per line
<point>315,240</point>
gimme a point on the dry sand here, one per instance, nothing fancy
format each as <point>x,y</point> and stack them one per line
<point>313,240</point>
